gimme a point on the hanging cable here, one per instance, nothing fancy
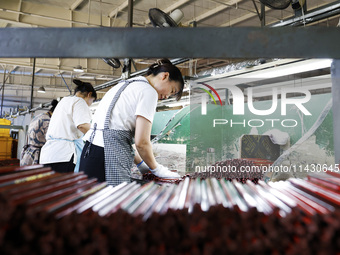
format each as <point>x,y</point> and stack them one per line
<point>66,83</point>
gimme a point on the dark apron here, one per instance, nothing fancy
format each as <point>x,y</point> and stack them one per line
<point>118,151</point>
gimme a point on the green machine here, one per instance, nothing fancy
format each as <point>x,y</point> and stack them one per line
<point>220,132</point>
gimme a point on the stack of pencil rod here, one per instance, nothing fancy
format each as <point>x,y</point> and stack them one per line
<point>9,162</point>
<point>241,170</point>
<point>43,212</point>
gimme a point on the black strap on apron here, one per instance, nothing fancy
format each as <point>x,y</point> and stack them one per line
<point>118,149</point>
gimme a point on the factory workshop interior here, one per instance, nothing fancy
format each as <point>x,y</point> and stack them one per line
<point>169,127</point>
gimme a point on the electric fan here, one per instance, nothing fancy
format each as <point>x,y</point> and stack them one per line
<point>159,18</point>
<point>114,62</point>
<point>283,4</point>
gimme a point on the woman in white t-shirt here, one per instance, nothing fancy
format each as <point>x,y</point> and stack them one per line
<point>69,122</point>
<point>126,111</point>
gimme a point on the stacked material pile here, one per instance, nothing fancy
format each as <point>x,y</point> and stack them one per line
<point>233,169</point>
<point>9,162</point>
<point>42,212</point>
<point>151,177</point>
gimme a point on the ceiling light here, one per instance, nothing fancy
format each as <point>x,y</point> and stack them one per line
<point>294,68</point>
<point>41,89</point>
<point>255,74</point>
<point>78,69</point>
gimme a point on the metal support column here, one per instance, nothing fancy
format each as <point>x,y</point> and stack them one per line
<point>335,70</point>
<point>3,92</point>
<point>128,61</point>
<point>130,13</point>
<point>263,15</point>
<point>300,12</point>
<point>32,86</point>
<point>227,97</point>
<point>312,16</point>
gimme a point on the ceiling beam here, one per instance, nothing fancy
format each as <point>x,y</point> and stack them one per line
<point>175,6</point>
<point>91,69</point>
<point>121,7</point>
<point>40,15</point>
<point>57,73</point>
<point>171,8</point>
<point>240,19</point>
<point>3,23</point>
<point>249,16</point>
<point>13,22</point>
<point>39,70</point>
<point>253,14</point>
<point>76,4</point>
<point>15,68</point>
<point>211,12</point>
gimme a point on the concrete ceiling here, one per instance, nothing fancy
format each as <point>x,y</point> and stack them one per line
<point>56,74</point>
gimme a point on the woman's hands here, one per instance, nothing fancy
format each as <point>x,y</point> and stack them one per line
<point>163,172</point>
<point>144,148</point>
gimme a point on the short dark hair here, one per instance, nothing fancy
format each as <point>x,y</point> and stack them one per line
<point>84,88</point>
<point>165,65</point>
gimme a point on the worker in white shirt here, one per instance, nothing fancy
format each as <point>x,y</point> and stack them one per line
<point>69,122</point>
<point>126,111</point>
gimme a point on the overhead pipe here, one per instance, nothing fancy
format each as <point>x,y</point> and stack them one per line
<point>176,61</point>
<point>311,17</point>
<point>40,107</point>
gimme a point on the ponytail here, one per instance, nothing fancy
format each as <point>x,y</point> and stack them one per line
<point>84,88</point>
<point>54,105</point>
<point>165,65</point>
